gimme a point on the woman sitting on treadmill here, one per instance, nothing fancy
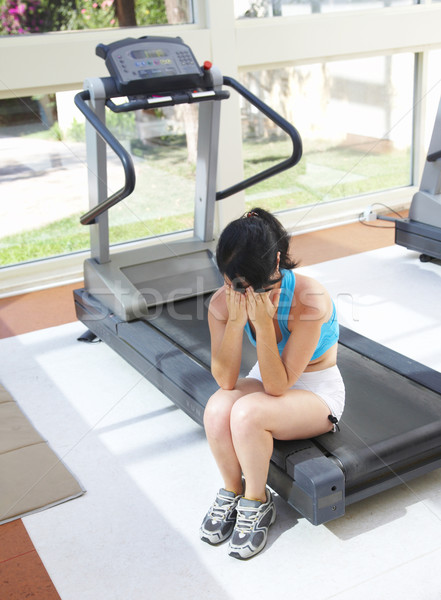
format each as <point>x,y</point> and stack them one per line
<point>295,389</point>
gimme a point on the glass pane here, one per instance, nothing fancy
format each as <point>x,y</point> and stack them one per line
<point>287,8</point>
<point>42,179</point>
<point>37,16</point>
<point>163,144</point>
<point>43,175</point>
<point>355,120</point>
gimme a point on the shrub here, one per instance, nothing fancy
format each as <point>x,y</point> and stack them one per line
<point>19,16</point>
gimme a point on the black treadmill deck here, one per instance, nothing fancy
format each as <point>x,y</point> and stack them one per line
<point>391,427</point>
<point>418,236</point>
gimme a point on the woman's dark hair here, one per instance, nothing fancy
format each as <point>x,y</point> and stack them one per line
<point>247,249</point>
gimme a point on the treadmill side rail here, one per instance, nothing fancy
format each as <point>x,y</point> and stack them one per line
<point>311,483</point>
<point>318,492</point>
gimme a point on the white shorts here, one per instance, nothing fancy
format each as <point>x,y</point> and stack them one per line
<point>327,384</point>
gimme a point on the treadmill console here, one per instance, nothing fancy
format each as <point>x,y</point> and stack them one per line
<point>152,64</point>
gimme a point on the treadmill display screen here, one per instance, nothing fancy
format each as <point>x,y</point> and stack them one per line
<point>149,53</point>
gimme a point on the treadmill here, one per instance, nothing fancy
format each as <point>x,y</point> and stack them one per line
<point>421,231</point>
<point>151,305</point>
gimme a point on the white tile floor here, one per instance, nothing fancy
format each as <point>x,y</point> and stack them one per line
<point>149,475</point>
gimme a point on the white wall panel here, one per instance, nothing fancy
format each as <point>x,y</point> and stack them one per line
<point>338,35</point>
<point>32,64</point>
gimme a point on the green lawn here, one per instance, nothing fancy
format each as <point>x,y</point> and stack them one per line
<point>324,175</point>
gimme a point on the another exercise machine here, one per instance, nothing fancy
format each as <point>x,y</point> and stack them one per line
<point>421,231</point>
<point>151,305</point>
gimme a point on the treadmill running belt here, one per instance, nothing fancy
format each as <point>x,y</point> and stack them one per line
<point>390,422</point>
<point>186,323</point>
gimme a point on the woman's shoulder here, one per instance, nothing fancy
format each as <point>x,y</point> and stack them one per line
<point>218,296</point>
<point>311,297</point>
<point>306,283</point>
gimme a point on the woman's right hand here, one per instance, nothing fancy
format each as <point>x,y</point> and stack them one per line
<point>237,306</point>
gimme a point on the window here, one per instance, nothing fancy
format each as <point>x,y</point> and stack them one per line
<point>355,120</point>
<point>42,181</point>
<point>354,117</point>
<point>163,146</point>
<point>43,175</point>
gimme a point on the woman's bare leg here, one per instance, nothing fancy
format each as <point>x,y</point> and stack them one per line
<point>256,419</point>
<point>217,428</point>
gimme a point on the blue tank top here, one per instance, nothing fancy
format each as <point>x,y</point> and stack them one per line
<point>329,331</point>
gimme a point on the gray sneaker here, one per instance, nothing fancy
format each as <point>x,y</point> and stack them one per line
<point>251,531</point>
<point>219,521</point>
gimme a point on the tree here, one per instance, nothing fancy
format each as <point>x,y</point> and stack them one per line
<point>125,13</point>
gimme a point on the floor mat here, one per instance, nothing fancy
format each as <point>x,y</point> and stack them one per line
<point>150,475</point>
<point>32,477</point>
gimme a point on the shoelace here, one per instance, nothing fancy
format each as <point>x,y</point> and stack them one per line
<point>246,518</point>
<point>218,511</point>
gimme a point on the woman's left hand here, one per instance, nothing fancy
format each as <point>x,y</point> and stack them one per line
<point>261,307</point>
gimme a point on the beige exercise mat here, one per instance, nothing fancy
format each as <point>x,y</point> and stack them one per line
<point>32,477</point>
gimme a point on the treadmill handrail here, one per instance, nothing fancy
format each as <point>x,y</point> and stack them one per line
<point>171,99</point>
<point>434,156</point>
<point>278,120</point>
<point>129,171</point>
<point>126,160</point>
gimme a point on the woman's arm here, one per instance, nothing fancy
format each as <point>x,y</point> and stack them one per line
<point>279,373</point>
<point>227,317</point>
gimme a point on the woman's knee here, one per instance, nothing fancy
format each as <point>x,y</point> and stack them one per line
<point>246,415</point>
<point>217,412</point>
